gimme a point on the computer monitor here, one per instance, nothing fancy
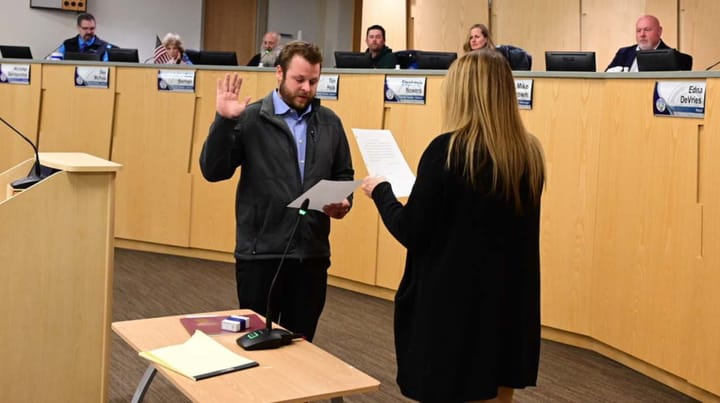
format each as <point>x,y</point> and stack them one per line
<point>569,61</point>
<point>434,60</point>
<point>123,55</point>
<point>217,58</point>
<point>663,60</point>
<point>15,52</point>
<point>352,60</point>
<point>93,57</point>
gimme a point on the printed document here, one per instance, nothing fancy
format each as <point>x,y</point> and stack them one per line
<point>326,192</point>
<point>382,157</point>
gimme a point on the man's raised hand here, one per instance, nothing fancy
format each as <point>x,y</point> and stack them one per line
<point>227,103</point>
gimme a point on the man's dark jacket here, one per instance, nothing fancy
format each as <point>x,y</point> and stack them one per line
<point>261,144</point>
<point>626,56</point>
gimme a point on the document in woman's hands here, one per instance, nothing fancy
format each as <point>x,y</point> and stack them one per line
<point>383,157</point>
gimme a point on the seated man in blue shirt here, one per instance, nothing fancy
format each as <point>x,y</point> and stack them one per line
<point>85,41</point>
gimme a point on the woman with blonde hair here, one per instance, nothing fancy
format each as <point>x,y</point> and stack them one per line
<point>478,38</point>
<point>471,230</point>
<point>175,49</point>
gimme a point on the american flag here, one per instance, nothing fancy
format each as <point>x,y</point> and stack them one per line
<point>161,55</point>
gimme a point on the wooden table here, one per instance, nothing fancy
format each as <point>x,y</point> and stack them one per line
<point>296,373</point>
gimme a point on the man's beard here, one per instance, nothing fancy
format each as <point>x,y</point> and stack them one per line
<point>292,101</point>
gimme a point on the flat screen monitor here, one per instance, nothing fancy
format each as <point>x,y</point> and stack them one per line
<point>663,60</point>
<point>352,60</point>
<point>218,58</point>
<point>93,57</point>
<point>434,60</point>
<point>15,52</point>
<point>569,61</point>
<point>123,55</point>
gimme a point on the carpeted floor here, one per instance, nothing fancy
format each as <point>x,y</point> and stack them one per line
<point>354,327</point>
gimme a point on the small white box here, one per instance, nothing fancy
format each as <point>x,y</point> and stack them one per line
<point>235,323</point>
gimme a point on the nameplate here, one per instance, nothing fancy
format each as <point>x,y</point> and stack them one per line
<point>176,80</point>
<point>524,93</point>
<point>11,73</point>
<point>92,76</point>
<point>679,98</point>
<point>327,87</point>
<point>405,90</point>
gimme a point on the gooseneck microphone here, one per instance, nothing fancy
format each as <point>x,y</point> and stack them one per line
<point>269,338</point>
<point>35,174</point>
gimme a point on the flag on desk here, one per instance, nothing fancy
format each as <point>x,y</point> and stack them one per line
<point>160,55</point>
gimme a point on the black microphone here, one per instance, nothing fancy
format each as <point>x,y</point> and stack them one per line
<point>712,65</point>
<point>35,174</point>
<point>269,338</point>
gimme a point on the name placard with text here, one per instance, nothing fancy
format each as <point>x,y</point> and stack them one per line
<point>679,98</point>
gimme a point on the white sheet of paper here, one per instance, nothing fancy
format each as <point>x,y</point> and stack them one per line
<point>382,157</point>
<point>326,192</point>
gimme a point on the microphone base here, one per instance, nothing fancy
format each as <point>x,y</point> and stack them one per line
<point>265,339</point>
<point>26,182</point>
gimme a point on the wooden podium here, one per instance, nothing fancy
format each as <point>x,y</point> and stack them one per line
<point>56,266</point>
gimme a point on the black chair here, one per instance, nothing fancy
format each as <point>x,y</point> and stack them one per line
<point>193,55</point>
<point>406,59</point>
<point>685,61</point>
<point>518,58</point>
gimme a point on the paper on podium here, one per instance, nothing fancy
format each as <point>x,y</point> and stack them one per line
<point>198,358</point>
<point>326,192</point>
<point>382,157</point>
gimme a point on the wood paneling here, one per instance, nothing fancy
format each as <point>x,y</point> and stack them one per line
<point>699,30</point>
<point>152,138</point>
<point>647,228</point>
<point>229,25</point>
<point>19,106</point>
<point>445,26</point>
<point>702,270</point>
<point>56,253</point>
<point>354,255</point>
<point>392,15</point>
<point>537,26</point>
<point>565,119</point>
<point>76,119</point>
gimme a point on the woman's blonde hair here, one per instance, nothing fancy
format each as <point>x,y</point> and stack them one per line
<point>171,39</point>
<point>482,114</point>
<point>485,32</point>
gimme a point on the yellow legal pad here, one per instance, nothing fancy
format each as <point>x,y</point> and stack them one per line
<point>198,358</point>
